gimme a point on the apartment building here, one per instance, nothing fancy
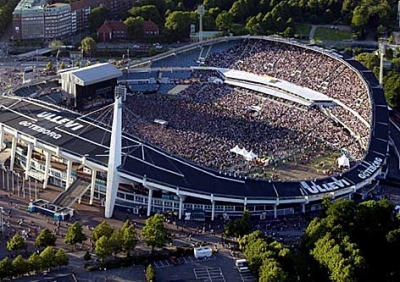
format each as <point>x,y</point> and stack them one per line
<point>35,19</point>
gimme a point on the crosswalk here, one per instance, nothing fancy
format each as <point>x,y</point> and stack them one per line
<point>179,260</point>
<point>209,274</point>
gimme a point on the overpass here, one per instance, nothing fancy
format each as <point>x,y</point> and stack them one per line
<point>37,52</point>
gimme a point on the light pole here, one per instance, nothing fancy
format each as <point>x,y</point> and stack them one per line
<point>201,11</point>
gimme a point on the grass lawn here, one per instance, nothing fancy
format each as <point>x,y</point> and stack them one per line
<point>326,33</point>
<point>303,29</point>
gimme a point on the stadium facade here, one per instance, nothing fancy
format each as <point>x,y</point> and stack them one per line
<point>116,163</point>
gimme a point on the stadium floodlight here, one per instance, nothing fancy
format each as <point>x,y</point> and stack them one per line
<point>381,55</point>
<point>201,11</point>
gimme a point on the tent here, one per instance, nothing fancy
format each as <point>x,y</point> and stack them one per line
<point>343,161</point>
<point>250,156</point>
<point>235,149</point>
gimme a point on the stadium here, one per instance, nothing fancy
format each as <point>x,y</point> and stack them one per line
<point>205,130</point>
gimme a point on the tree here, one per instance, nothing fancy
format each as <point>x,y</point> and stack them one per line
<point>134,27</point>
<point>61,65</point>
<point>148,12</point>
<point>87,256</point>
<point>35,263</point>
<point>49,66</point>
<point>129,236</point>
<point>103,247</point>
<point>117,241</point>
<point>56,44</point>
<point>102,229</point>
<point>6,268</point>
<point>45,238</point>
<point>97,17</point>
<point>177,24</point>
<point>154,231</point>
<point>74,234</point>
<point>224,21</point>
<point>391,86</point>
<point>88,45</point>
<point>20,266</point>
<point>61,258</point>
<point>150,274</point>
<point>47,257</point>
<point>16,243</point>
<point>271,271</point>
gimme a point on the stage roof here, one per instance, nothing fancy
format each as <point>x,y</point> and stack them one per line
<point>92,74</point>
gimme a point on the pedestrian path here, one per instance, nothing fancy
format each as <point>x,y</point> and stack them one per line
<point>209,274</point>
<point>179,260</point>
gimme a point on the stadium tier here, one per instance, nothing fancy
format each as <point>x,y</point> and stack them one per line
<point>290,104</point>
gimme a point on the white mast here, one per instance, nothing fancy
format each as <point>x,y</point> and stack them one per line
<point>114,156</point>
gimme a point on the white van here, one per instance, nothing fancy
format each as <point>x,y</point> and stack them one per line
<point>202,252</point>
<point>242,265</point>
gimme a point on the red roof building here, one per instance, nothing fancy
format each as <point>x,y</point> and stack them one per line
<point>150,28</point>
<point>112,30</point>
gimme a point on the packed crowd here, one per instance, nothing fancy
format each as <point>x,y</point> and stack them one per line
<point>207,119</point>
<point>305,68</point>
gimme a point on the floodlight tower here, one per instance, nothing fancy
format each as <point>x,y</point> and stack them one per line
<point>381,55</point>
<point>201,11</point>
<point>114,155</point>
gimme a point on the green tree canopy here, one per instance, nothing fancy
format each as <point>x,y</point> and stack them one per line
<point>6,268</point>
<point>102,229</point>
<point>147,12</point>
<point>47,257</point>
<point>129,236</point>
<point>88,45</point>
<point>103,248</point>
<point>97,17</point>
<point>74,234</point>
<point>45,238</point>
<point>16,243</point>
<point>61,258</point>
<point>35,263</point>
<point>154,232</point>
<point>20,266</point>
<point>134,27</point>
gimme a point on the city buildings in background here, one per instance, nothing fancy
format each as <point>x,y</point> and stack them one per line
<point>38,19</point>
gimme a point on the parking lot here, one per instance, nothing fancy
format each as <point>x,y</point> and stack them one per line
<point>218,268</point>
<point>178,261</point>
<point>209,274</point>
<point>247,277</point>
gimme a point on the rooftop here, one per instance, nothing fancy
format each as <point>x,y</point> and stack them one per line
<point>92,74</point>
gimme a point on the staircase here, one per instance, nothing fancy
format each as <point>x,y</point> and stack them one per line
<point>68,197</point>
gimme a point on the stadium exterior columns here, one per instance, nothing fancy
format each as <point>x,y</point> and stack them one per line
<point>114,157</point>
<point>68,177</point>
<point>212,207</point>
<point>46,169</point>
<point>13,150</point>
<point>275,211</point>
<point>212,210</point>
<point>303,208</point>
<point>149,199</point>
<point>28,160</point>
<point>245,203</point>
<point>92,186</point>
<point>181,199</point>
